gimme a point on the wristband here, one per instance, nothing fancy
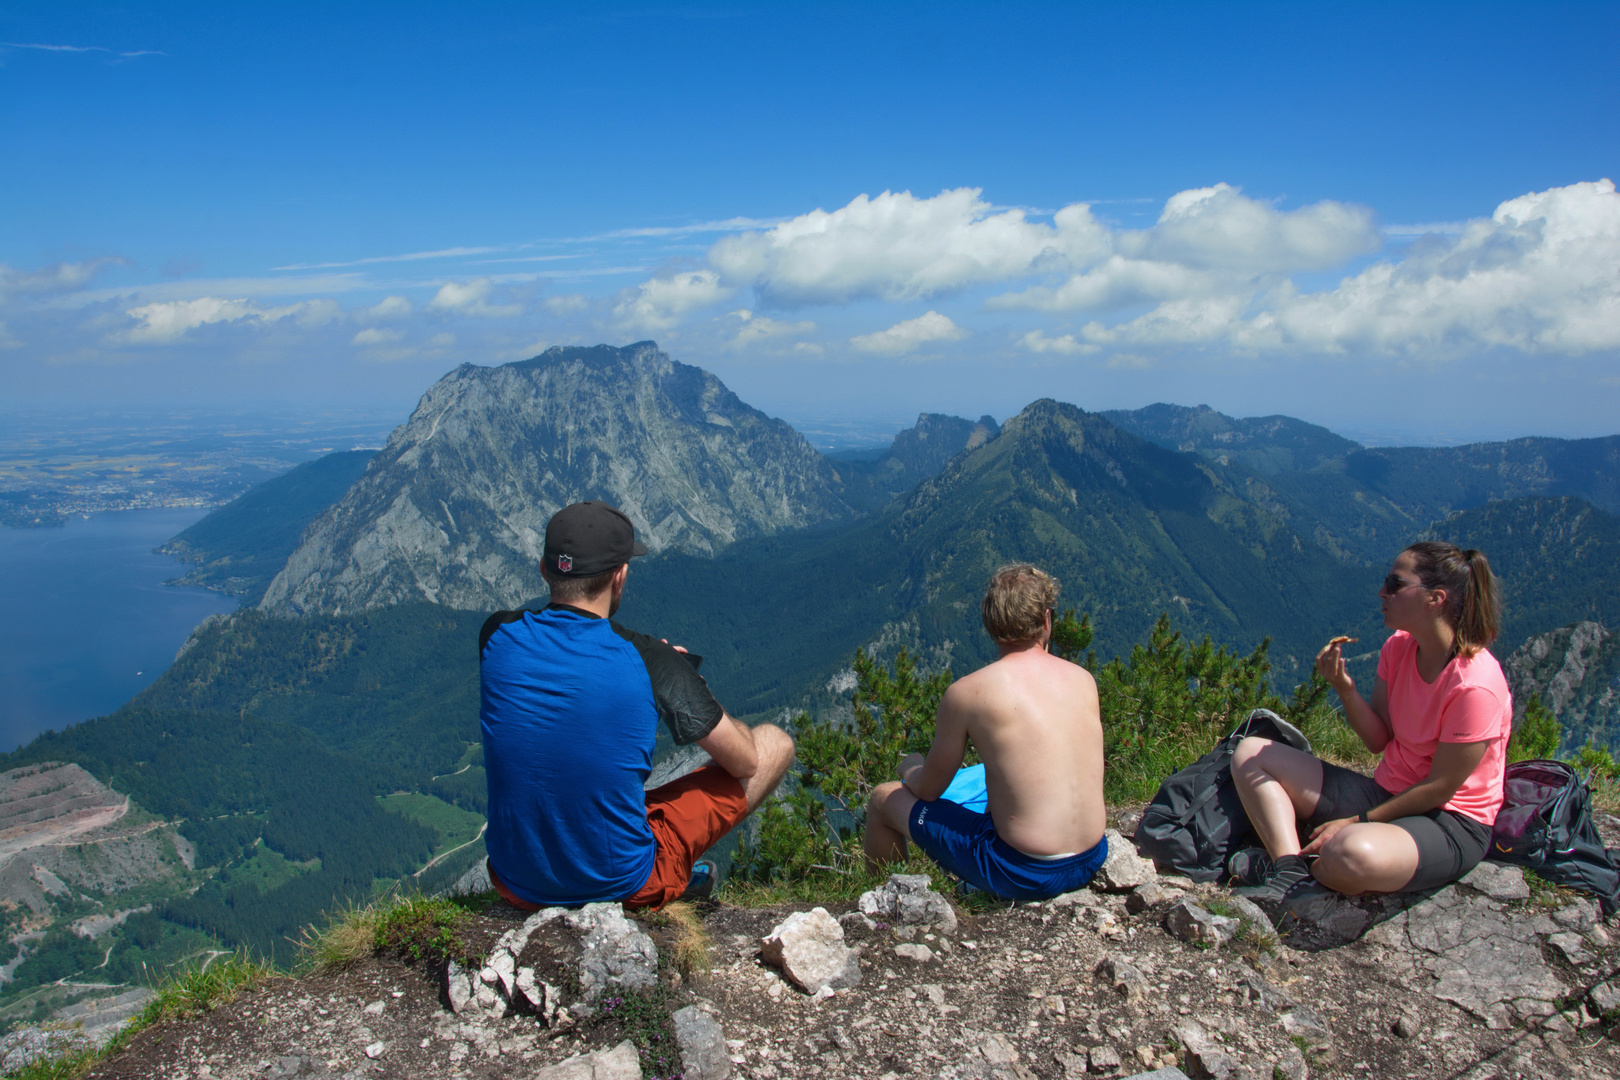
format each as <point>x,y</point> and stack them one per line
<point>1362,817</point>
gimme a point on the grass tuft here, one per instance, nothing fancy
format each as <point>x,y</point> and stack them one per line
<point>423,928</point>
<point>692,944</point>
<point>202,989</point>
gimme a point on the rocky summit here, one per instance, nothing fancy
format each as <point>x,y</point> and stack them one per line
<point>1138,976</point>
<point>453,509</point>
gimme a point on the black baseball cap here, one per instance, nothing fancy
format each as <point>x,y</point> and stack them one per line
<point>589,538</point>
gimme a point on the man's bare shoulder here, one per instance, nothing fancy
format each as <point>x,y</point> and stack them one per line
<point>1020,668</point>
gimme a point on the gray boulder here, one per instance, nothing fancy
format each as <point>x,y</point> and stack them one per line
<point>1196,926</point>
<point>1124,869</point>
<point>702,1043</point>
<point>908,899</point>
<point>808,947</point>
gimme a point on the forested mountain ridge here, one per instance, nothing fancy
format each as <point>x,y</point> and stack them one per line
<point>1363,503</point>
<point>242,545</point>
<point>1133,530</point>
<point>453,509</point>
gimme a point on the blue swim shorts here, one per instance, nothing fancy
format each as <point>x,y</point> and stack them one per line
<point>966,844</point>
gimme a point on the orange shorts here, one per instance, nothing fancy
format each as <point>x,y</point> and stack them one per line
<point>688,816</point>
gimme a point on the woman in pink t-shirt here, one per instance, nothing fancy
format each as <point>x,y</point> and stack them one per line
<point>1440,714</point>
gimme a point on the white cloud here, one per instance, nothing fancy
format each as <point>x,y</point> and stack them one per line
<point>170,320</point>
<point>390,307</point>
<point>414,256</point>
<point>373,336</point>
<point>659,304</point>
<point>1208,242</point>
<point>1037,342</point>
<point>63,277</point>
<point>900,247</point>
<point>1542,274</point>
<point>907,336</point>
<point>471,298</point>
<point>757,328</point>
<point>1219,228</point>
<point>571,304</point>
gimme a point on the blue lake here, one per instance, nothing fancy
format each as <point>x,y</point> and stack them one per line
<point>88,621</point>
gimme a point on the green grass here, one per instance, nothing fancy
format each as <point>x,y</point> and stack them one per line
<point>267,868</point>
<point>453,825</point>
<point>417,926</point>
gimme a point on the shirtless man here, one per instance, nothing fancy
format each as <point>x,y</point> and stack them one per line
<point>1035,721</point>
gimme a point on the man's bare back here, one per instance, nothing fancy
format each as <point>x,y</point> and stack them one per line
<point>1035,721</point>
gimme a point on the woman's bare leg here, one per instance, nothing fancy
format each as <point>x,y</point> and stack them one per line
<point>1278,786</point>
<point>1369,857</point>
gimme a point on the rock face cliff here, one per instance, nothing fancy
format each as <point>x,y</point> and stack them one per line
<point>453,509</point>
<point>1575,670</point>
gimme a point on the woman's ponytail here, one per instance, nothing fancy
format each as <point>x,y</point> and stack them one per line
<point>1473,602</point>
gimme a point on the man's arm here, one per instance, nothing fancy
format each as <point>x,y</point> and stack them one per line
<point>732,746</point>
<point>929,779</point>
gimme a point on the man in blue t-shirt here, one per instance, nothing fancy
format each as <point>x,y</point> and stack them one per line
<point>570,706</point>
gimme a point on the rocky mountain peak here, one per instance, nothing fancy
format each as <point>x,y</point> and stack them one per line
<point>453,509</point>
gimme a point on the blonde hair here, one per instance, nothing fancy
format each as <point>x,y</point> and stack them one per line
<point>1473,603</point>
<point>1016,603</point>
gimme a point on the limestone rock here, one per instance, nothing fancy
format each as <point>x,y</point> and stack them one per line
<point>1103,1059</point>
<point>702,1043</point>
<point>918,952</point>
<point>1150,895</point>
<point>1498,881</point>
<point>1169,1072</point>
<point>1292,1066</point>
<point>1206,1058</point>
<point>1127,981</point>
<point>1250,914</point>
<point>1078,898</point>
<point>909,900</point>
<point>1196,926</point>
<point>809,948</point>
<point>616,951</point>
<point>1571,947</point>
<point>1485,961</point>
<point>1124,869</point>
<point>1267,996</point>
<point>474,881</point>
<point>1302,1022</point>
<point>1605,997</point>
<point>620,1063</point>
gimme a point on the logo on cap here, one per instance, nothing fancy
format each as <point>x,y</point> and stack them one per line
<point>565,563</point>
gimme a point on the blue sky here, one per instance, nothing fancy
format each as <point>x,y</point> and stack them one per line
<point>1392,222</point>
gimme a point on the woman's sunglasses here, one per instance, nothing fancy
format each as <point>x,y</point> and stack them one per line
<point>1394,583</point>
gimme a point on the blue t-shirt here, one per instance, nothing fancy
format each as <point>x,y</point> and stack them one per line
<point>569,716</point>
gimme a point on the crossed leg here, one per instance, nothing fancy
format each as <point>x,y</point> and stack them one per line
<point>1280,785</point>
<point>888,823</point>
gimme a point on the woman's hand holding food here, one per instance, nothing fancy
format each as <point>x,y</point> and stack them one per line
<point>1330,663</point>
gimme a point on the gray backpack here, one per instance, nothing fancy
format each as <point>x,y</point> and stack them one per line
<point>1197,820</point>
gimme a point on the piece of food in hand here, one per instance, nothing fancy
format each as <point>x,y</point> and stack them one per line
<point>1342,640</point>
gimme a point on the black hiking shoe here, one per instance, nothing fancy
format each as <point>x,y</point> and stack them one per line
<point>701,886</point>
<point>1251,866</point>
<point>1286,872</point>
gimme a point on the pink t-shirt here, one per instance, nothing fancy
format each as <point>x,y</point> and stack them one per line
<point>1469,702</point>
